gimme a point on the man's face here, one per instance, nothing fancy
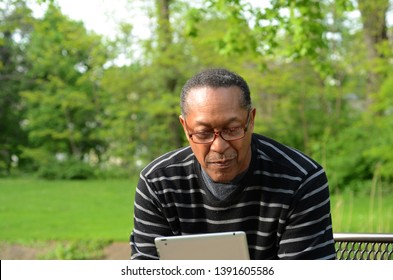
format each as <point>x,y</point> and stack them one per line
<point>214,109</point>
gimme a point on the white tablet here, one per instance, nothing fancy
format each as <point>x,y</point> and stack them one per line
<point>208,246</point>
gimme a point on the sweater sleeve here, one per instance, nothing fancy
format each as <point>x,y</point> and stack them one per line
<point>308,232</point>
<point>149,222</point>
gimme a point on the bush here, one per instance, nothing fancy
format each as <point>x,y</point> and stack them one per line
<point>359,153</point>
<point>69,169</point>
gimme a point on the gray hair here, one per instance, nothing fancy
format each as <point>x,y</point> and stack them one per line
<point>215,78</point>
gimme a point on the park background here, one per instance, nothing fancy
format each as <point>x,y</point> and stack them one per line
<point>81,113</point>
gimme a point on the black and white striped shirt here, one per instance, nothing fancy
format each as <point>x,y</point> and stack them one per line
<point>282,203</point>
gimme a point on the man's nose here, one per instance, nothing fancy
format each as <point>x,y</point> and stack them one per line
<point>219,144</point>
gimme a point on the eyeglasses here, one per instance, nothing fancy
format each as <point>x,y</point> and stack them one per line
<point>228,134</point>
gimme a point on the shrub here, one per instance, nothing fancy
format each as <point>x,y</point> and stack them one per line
<point>69,169</point>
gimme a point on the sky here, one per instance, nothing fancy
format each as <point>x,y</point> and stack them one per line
<point>102,16</point>
<point>98,15</point>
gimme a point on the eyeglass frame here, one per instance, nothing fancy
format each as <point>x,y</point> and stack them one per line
<point>218,133</point>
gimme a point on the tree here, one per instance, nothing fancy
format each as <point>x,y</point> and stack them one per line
<point>358,152</point>
<point>15,26</point>
<point>121,125</point>
<point>63,104</point>
<point>302,23</point>
<point>165,64</point>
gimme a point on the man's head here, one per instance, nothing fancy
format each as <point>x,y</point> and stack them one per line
<point>218,120</point>
<point>215,78</point>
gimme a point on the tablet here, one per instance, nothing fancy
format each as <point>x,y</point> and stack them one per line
<point>207,246</point>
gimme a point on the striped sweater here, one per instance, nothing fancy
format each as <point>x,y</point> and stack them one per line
<point>282,203</point>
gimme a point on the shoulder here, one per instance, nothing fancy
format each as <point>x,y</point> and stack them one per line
<point>170,162</point>
<point>283,156</point>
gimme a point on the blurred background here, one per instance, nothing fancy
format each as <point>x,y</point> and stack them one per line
<point>89,94</point>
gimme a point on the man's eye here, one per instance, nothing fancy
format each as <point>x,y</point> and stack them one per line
<point>203,135</point>
<point>232,131</point>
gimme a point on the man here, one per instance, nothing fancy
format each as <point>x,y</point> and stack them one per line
<point>231,179</point>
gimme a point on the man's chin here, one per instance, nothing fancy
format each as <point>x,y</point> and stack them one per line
<point>223,178</point>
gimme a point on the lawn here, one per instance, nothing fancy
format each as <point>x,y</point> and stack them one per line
<point>35,210</point>
<point>362,213</point>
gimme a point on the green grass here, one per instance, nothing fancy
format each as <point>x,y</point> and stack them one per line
<point>36,210</point>
<point>362,213</point>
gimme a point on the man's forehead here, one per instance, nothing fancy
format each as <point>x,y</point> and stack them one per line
<point>212,101</point>
<point>203,93</point>
<point>214,110</point>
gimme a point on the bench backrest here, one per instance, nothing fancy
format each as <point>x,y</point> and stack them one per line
<point>363,246</point>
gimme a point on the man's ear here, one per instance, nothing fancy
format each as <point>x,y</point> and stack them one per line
<point>183,123</point>
<point>181,119</point>
<point>253,113</point>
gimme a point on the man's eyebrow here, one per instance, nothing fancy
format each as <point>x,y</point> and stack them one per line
<point>208,124</point>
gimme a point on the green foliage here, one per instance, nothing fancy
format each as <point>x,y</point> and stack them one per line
<point>364,149</point>
<point>121,117</point>
<point>15,21</point>
<point>70,169</point>
<point>354,156</point>
<point>63,102</point>
<point>76,250</point>
<point>381,120</point>
<point>290,29</point>
<point>347,160</point>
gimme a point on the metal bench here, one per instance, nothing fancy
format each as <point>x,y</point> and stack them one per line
<point>363,246</point>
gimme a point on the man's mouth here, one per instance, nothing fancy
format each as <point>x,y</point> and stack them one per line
<point>222,163</point>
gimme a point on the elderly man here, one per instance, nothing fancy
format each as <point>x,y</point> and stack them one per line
<point>231,179</point>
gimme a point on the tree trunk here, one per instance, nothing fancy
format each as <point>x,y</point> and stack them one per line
<point>164,44</point>
<point>164,26</point>
<point>373,15</point>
